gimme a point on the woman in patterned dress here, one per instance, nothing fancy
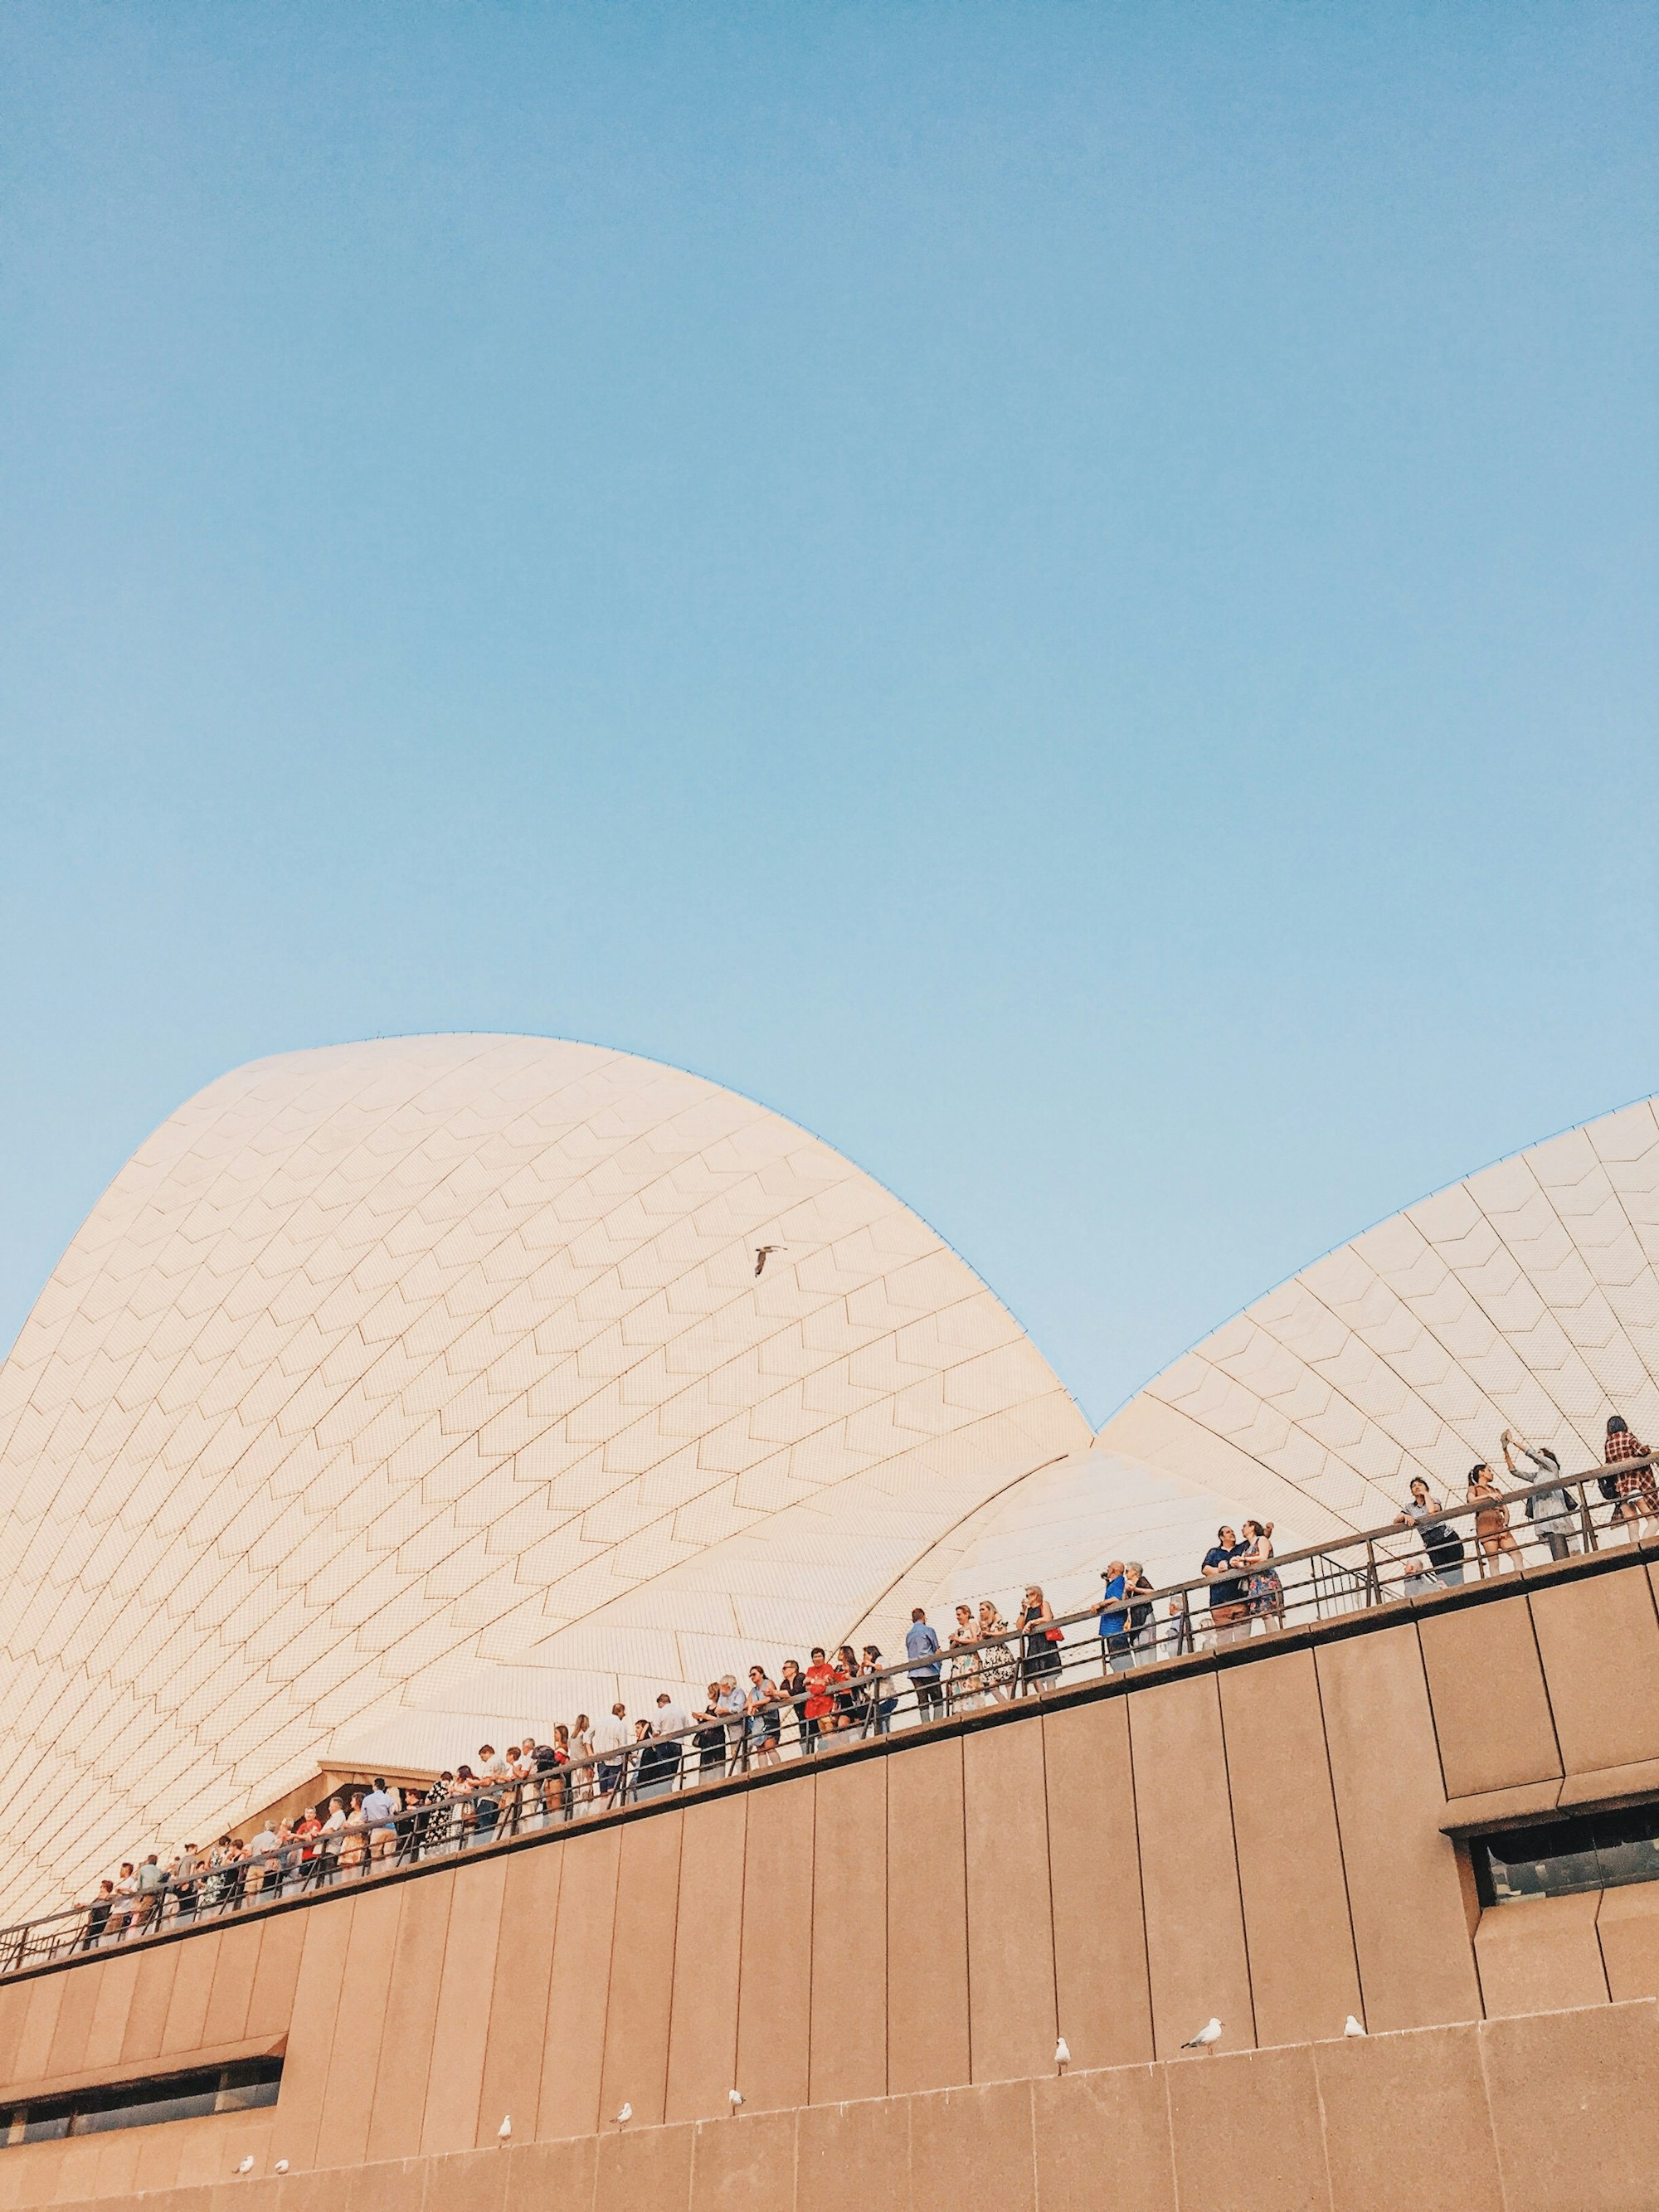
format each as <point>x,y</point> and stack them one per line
<point>967,1683</point>
<point>998,1667</point>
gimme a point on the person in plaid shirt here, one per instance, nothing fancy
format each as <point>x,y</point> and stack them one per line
<point>1639,1491</point>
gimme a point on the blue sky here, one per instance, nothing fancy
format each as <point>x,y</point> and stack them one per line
<point>1065,594</point>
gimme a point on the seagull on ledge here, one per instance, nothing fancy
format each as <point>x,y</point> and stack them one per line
<point>1350,2027</point>
<point>624,2116</point>
<point>1209,2034</point>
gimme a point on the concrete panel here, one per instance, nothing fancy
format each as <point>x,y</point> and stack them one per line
<point>973,2146</point>
<point>849,2155</point>
<point>1491,1713</point>
<point>1406,2123</point>
<point>1105,1996</point>
<point>927,1915</point>
<point>644,2170</point>
<point>310,2044</point>
<point>464,2181</point>
<point>232,1983</point>
<point>574,2048</point>
<point>1591,1635</point>
<point>636,2019</point>
<point>1627,1926</point>
<point>1411,1928</point>
<point>354,2063</point>
<point>396,2185</point>
<point>518,2003</point>
<point>744,2165</point>
<point>1540,1954</point>
<point>1247,2134</point>
<point>271,2006</point>
<point>77,2170</point>
<point>39,2025</point>
<point>702,2039</point>
<point>14,2010</point>
<point>850,1933</point>
<point>1091,2125</point>
<point>1011,1939</point>
<point>185,2027</point>
<point>455,2072</point>
<point>1189,1872</point>
<point>73,2027</point>
<point>1591,2144</point>
<point>775,1988</point>
<point>542,2174</point>
<point>1304,1981</point>
<point>116,1978</point>
<point>412,2015</point>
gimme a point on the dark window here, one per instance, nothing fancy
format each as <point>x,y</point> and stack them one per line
<point>1558,1858</point>
<point>142,2104</point>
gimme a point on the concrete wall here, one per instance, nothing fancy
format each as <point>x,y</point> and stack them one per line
<point>1258,1835</point>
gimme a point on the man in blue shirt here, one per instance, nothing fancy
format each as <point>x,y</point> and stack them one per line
<point>1230,1615</point>
<point>382,1815</point>
<point>921,1643</point>
<point>1113,1623</point>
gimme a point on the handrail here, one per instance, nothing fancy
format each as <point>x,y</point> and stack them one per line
<point>1358,1573</point>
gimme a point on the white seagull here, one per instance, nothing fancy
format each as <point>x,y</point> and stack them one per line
<point>734,2098</point>
<point>1352,2026</point>
<point>505,2128</point>
<point>624,2116</point>
<point>1209,2034</point>
<point>247,2165</point>
<point>1062,2052</point>
<point>280,2166</point>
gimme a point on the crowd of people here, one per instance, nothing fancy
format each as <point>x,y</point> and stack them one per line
<point>743,1726</point>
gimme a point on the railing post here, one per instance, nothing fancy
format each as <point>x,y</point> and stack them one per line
<point>1586,1518</point>
<point>1373,1580</point>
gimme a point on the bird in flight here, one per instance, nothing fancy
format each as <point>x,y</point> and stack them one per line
<point>1209,2034</point>
<point>763,1252</point>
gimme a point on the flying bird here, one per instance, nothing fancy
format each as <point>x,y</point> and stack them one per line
<point>505,2128</point>
<point>1350,2027</point>
<point>1209,2034</point>
<point>1062,2052</point>
<point>624,2116</point>
<point>763,1252</point>
<point>734,2098</point>
<point>247,2165</point>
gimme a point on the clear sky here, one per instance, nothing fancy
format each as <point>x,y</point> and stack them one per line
<point>1064,594</point>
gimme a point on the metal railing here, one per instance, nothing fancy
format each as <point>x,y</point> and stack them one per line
<point>1552,1519</point>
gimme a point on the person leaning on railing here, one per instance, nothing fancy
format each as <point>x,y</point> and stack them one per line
<point>1637,1487</point>
<point>1551,1510</point>
<point>1444,1545</point>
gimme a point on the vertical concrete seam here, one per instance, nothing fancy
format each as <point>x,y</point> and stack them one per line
<point>1140,1880</point>
<point>1324,2133</point>
<point>811,1938</point>
<point>1445,1794</point>
<point>1479,2030</point>
<point>1048,1876</point>
<point>1162,2069</point>
<point>1341,1848</point>
<point>547,2008</point>
<point>1544,1679</point>
<point>673,1957</point>
<point>967,1917</point>
<point>1238,1870</point>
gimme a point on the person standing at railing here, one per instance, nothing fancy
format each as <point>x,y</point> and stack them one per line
<point>1143,1625</point>
<point>1550,1510</point>
<point>1443,1543</point>
<point>1638,1490</point>
<point>262,1848</point>
<point>382,1815</point>
<point>1491,1523</point>
<point>710,1738</point>
<point>672,1722</point>
<point>966,1674</point>
<point>820,1678</point>
<point>1264,1594</point>
<point>581,1755</point>
<point>922,1650</point>
<point>765,1721</point>
<point>1230,1613</point>
<point>612,1739</point>
<point>792,1688</point>
<point>880,1698</point>
<point>732,1705</point>
<point>1113,1624</point>
<point>98,1914</point>
<point>999,1670</point>
<point>1039,1642</point>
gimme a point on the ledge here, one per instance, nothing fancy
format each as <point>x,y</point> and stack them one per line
<point>144,2069</point>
